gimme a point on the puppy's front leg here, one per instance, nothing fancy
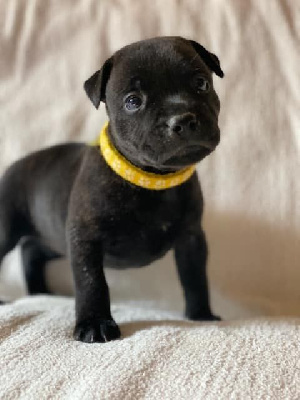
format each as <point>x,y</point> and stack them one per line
<point>94,322</point>
<point>191,258</point>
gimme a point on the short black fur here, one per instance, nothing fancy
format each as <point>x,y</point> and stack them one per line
<point>66,201</point>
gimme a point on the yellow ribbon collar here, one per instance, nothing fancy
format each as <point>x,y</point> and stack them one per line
<point>135,175</point>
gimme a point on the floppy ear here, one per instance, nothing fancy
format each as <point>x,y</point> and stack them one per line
<point>95,86</point>
<point>210,59</point>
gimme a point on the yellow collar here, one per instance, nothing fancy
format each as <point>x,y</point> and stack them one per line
<point>135,175</point>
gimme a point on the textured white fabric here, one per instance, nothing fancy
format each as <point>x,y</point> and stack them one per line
<point>159,356</point>
<point>251,189</point>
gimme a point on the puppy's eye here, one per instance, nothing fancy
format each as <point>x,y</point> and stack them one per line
<point>202,84</point>
<point>133,102</point>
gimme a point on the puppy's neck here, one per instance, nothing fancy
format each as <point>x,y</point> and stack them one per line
<point>134,173</point>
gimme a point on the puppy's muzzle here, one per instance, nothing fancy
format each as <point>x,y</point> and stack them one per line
<point>186,125</point>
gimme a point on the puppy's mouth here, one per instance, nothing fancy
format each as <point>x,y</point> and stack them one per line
<point>187,155</point>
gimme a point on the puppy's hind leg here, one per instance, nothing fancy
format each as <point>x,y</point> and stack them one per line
<point>9,235</point>
<point>35,256</point>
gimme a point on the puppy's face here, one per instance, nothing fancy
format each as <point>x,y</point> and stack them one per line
<point>161,102</point>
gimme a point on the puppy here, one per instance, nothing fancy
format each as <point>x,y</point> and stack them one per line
<point>131,197</point>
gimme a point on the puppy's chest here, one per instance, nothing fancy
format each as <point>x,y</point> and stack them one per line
<point>142,229</point>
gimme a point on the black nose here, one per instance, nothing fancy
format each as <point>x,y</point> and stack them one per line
<point>183,123</point>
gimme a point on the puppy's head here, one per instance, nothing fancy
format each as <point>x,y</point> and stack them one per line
<point>161,102</point>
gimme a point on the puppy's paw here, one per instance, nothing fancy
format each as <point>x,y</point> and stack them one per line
<point>202,316</point>
<point>99,331</point>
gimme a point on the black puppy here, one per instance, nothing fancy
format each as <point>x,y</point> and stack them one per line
<point>73,199</point>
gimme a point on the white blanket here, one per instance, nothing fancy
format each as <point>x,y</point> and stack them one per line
<point>159,357</point>
<point>251,188</point>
